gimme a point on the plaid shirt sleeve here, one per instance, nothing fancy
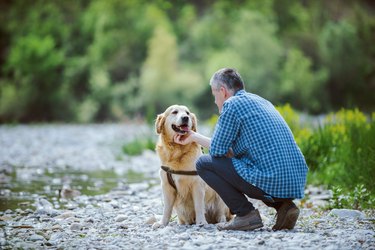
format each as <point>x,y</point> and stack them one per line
<point>226,131</point>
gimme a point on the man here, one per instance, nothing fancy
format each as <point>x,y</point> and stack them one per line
<point>252,152</point>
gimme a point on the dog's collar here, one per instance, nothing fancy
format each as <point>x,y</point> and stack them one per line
<point>179,172</point>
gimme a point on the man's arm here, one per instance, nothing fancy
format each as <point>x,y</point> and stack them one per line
<point>202,140</point>
<point>193,137</point>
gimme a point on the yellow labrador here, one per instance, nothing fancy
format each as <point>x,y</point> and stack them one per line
<point>190,197</point>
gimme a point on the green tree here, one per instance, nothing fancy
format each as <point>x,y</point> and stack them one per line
<point>34,89</point>
<point>114,56</point>
<point>343,56</point>
<point>254,50</point>
<point>299,85</point>
<point>162,81</point>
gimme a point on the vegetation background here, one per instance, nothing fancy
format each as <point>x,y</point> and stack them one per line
<point>110,60</point>
<point>117,60</point>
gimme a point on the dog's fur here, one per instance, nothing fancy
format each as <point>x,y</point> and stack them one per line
<point>193,201</point>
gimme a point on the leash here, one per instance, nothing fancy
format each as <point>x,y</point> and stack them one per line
<point>178,172</point>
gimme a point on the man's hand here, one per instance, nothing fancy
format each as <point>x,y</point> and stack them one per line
<point>230,153</point>
<point>192,136</point>
<point>184,139</point>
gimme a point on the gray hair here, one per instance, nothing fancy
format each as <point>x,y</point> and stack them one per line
<point>228,78</point>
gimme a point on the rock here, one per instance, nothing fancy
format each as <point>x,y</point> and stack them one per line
<point>89,220</point>
<point>24,245</point>
<point>72,220</point>
<point>120,218</point>
<point>76,227</point>
<point>347,213</point>
<point>184,236</point>
<point>56,227</point>
<point>157,225</point>
<point>36,237</point>
<point>43,204</point>
<point>56,237</point>
<point>43,211</point>
<point>151,220</point>
<point>5,218</point>
<point>65,215</point>
<point>261,242</point>
<point>123,226</point>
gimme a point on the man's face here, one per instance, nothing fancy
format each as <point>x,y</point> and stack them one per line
<point>220,96</point>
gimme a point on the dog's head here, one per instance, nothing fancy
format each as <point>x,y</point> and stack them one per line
<point>176,119</point>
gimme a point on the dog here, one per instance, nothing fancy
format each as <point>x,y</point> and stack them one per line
<point>190,197</point>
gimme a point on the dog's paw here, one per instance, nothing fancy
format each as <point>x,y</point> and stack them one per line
<point>157,225</point>
<point>202,223</point>
<point>222,219</point>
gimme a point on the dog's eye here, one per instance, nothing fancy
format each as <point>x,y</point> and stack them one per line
<point>175,112</point>
<point>187,113</point>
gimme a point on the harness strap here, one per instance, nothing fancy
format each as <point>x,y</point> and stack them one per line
<point>179,172</point>
<point>171,181</point>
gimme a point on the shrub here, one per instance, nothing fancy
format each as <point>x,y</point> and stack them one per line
<point>359,198</point>
<point>137,146</point>
<point>340,153</point>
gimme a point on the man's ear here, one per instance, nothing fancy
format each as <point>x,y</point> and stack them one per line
<point>159,123</point>
<point>194,121</point>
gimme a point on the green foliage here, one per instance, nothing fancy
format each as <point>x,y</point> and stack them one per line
<point>133,176</point>
<point>343,56</point>
<point>301,130</point>
<point>137,146</point>
<point>340,152</point>
<point>163,82</point>
<point>255,53</point>
<point>299,84</point>
<point>358,198</point>
<point>90,61</point>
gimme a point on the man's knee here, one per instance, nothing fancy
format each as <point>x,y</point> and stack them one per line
<point>199,164</point>
<point>202,163</point>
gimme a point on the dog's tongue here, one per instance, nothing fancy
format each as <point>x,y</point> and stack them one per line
<point>184,128</point>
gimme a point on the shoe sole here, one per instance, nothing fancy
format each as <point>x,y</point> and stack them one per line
<point>244,228</point>
<point>290,219</point>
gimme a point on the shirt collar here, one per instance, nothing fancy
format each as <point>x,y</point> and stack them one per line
<point>240,92</point>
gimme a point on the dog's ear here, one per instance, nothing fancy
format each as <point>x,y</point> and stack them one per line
<point>159,123</point>
<point>194,121</point>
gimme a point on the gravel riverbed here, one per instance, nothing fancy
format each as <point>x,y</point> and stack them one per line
<point>123,217</point>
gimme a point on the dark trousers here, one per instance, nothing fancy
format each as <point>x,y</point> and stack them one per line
<point>220,175</point>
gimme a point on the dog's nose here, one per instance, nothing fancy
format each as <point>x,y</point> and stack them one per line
<point>185,119</point>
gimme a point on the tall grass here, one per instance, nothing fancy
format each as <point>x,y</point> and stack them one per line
<point>340,151</point>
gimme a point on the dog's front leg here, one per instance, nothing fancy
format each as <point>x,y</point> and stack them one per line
<point>199,206</point>
<point>169,197</point>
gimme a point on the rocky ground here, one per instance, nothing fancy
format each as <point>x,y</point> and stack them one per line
<point>123,217</point>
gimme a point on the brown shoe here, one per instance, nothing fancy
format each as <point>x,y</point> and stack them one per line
<point>287,216</point>
<point>248,222</point>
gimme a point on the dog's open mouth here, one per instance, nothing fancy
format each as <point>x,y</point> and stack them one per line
<point>182,129</point>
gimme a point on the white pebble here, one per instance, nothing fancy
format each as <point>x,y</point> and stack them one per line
<point>120,218</point>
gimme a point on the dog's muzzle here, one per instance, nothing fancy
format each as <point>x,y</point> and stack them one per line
<point>182,129</point>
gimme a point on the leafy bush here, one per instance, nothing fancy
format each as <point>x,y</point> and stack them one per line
<point>359,198</point>
<point>137,146</point>
<point>340,153</point>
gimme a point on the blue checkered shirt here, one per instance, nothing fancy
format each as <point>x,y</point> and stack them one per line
<point>265,152</point>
